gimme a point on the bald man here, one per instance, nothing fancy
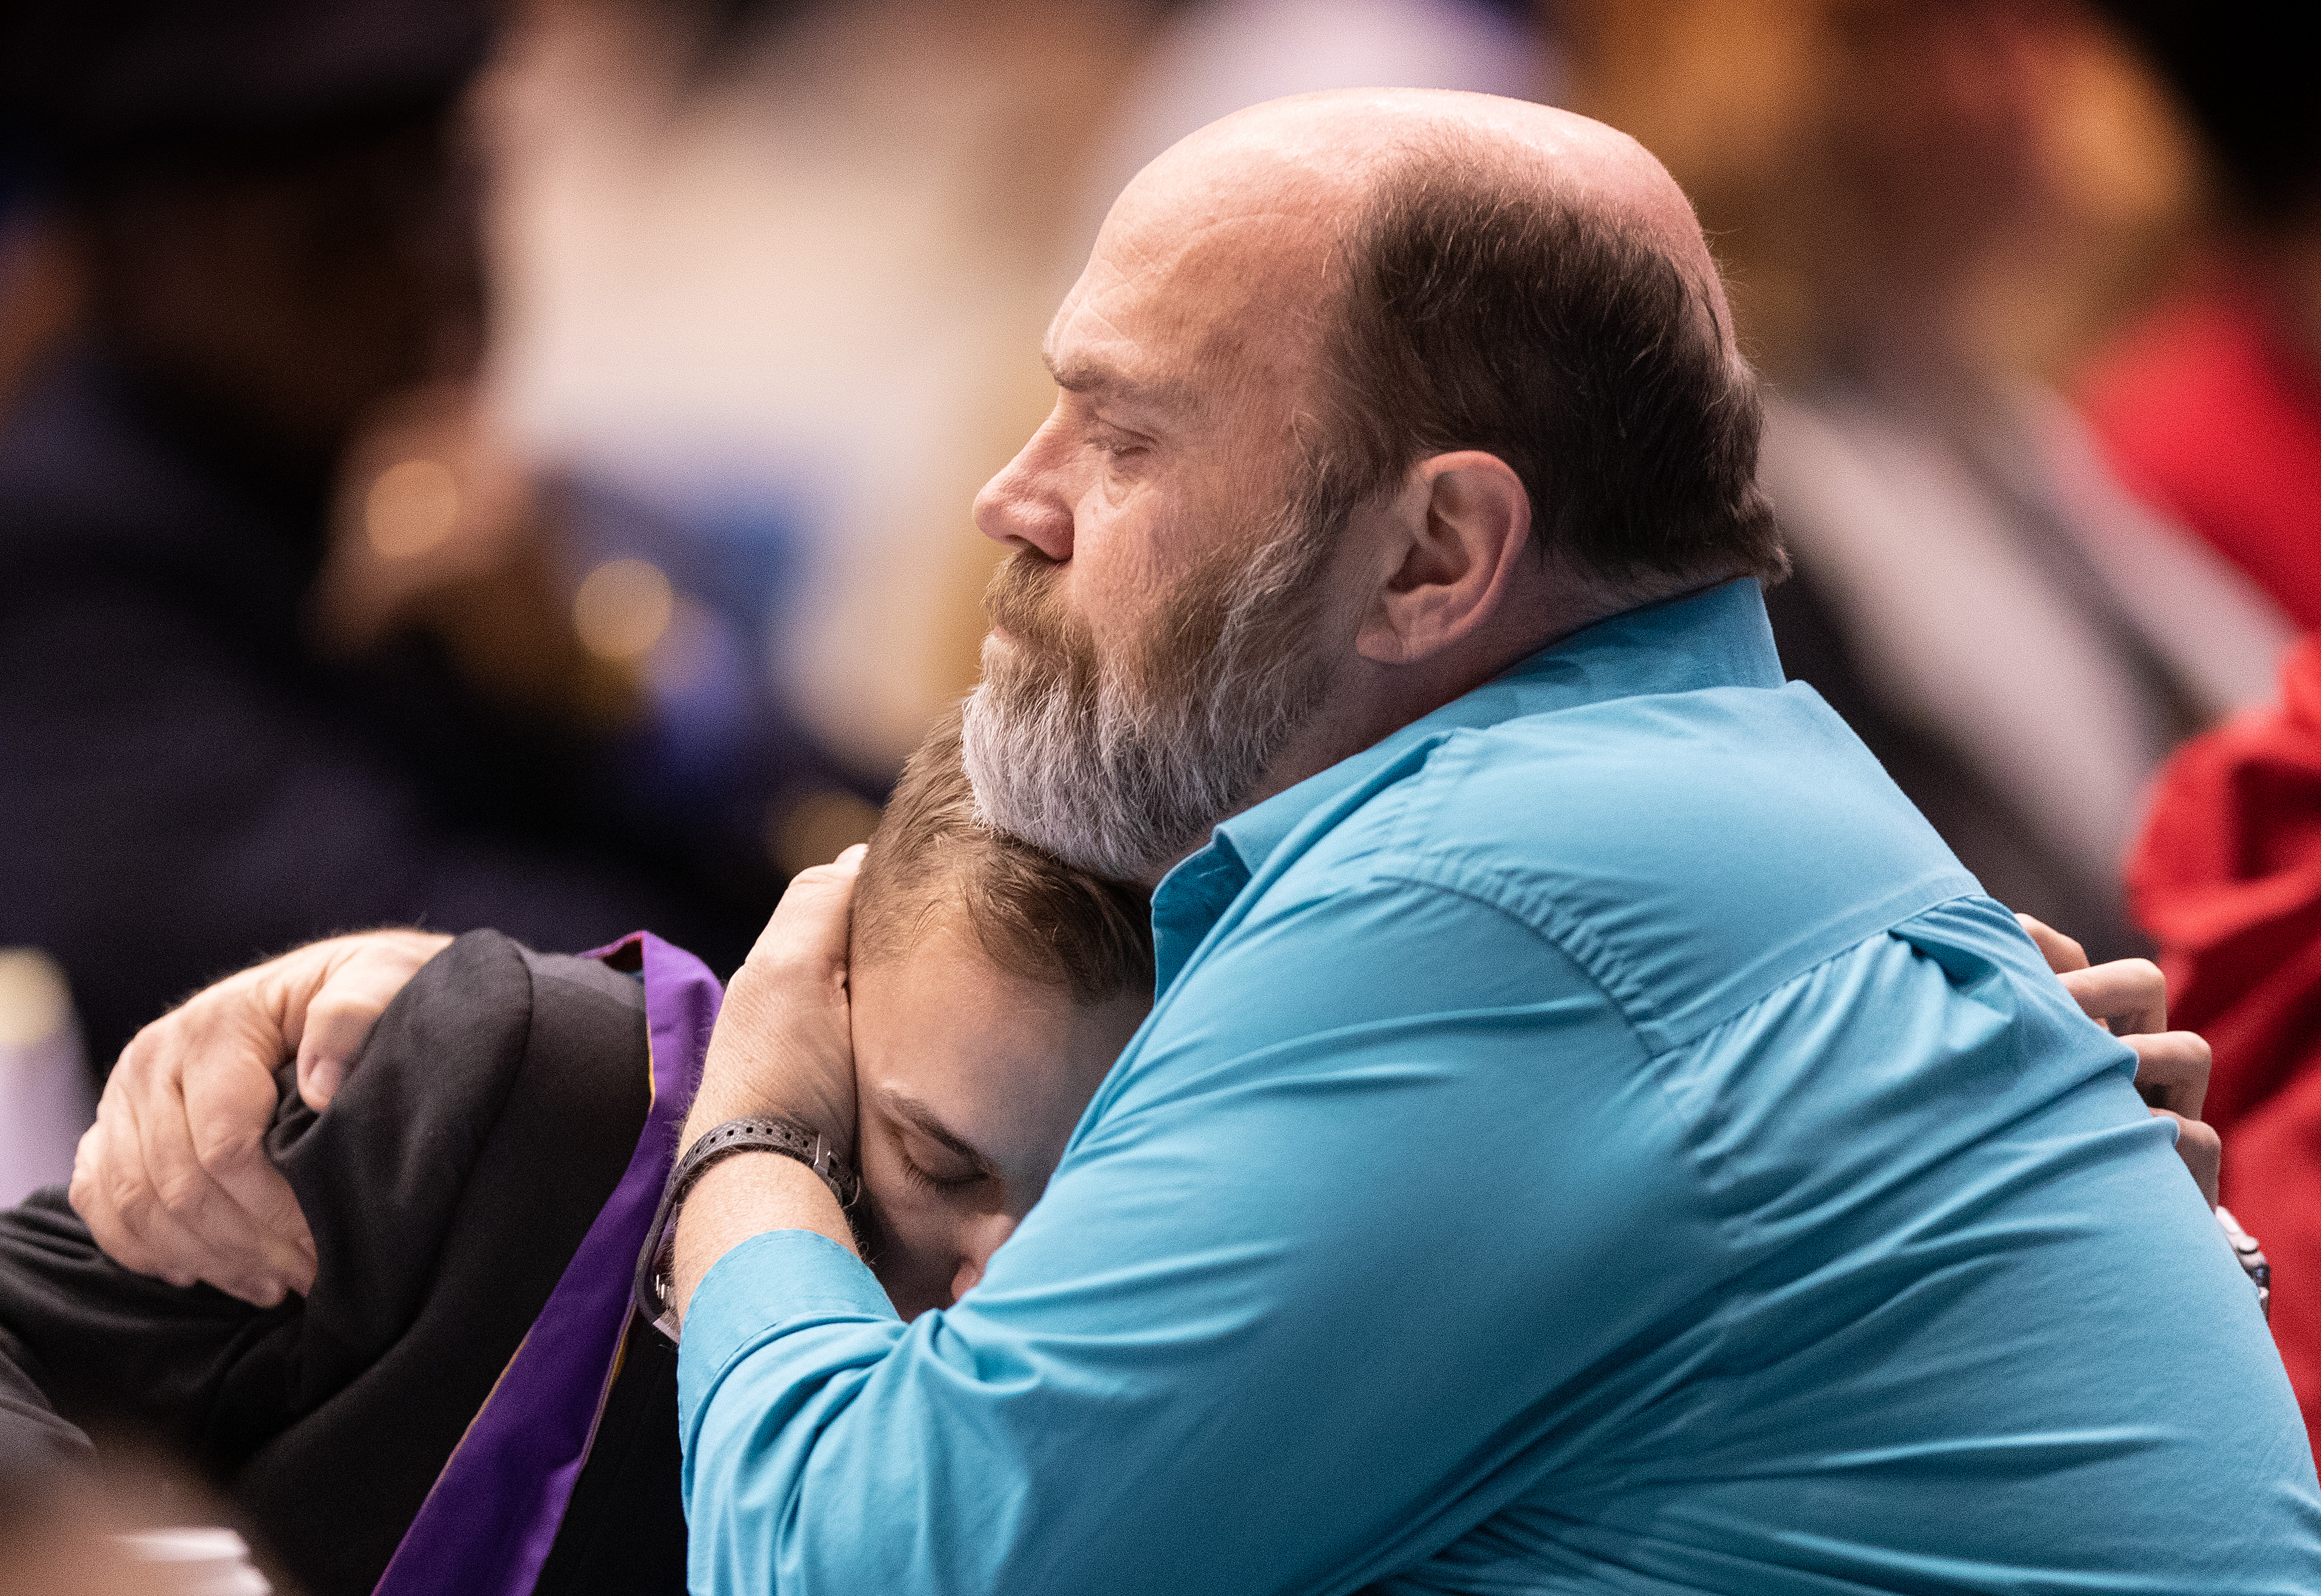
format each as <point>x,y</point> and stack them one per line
<point>1591,1136</point>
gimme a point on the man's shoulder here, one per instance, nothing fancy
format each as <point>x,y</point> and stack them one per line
<point>1689,850</point>
<point>1725,792</point>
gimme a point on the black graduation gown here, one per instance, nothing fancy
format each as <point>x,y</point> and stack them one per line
<point>489,1117</point>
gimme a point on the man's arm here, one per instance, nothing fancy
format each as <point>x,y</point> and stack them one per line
<point>1149,1390</point>
<point>173,1181</point>
<point>1310,1267</point>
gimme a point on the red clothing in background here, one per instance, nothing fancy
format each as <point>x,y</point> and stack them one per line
<point>2227,877</point>
<point>2209,412</point>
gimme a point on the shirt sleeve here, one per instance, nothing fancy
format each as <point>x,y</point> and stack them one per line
<point>1339,1242</point>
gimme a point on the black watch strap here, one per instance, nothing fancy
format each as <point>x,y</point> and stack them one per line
<point>756,1134</point>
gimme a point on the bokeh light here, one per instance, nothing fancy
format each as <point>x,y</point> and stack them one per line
<point>623,608</point>
<point>412,507</point>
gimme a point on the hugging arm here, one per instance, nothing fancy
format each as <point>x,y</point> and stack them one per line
<point>1405,1244</point>
<point>173,1181</point>
<point>488,1114</point>
<point>1135,1395</point>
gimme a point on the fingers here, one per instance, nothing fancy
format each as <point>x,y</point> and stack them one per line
<point>809,925</point>
<point>152,1242</point>
<point>784,1041</point>
<point>2130,996</point>
<point>361,977</point>
<point>253,1212</point>
<point>112,1189</point>
<point>2062,955</point>
<point>174,1180</point>
<point>2202,1150</point>
<point>102,1204</point>
<point>190,1183</point>
<point>2126,995</point>
<point>135,1214</point>
<point>2176,1063</point>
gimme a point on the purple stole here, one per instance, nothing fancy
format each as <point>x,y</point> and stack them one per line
<point>492,1515</point>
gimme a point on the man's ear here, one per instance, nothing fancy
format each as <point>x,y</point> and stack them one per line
<point>1451,541</point>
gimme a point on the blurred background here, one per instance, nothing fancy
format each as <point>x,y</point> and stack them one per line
<point>474,464</point>
<point>467,463</point>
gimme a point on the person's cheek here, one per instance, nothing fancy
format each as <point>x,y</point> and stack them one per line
<point>916,1254</point>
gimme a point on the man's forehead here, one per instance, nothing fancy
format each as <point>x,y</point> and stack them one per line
<point>1166,301</point>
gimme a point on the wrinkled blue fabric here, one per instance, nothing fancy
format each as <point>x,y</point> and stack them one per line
<point>1597,1140</point>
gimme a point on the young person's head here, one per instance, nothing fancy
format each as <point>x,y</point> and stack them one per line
<point>1365,395</point>
<point>991,989</point>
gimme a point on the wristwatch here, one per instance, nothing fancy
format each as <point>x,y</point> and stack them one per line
<point>755,1134</point>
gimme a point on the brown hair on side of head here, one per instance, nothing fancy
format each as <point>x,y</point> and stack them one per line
<point>1033,916</point>
<point>1483,311</point>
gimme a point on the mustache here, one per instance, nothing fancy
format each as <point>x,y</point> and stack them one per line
<point>1023,600</point>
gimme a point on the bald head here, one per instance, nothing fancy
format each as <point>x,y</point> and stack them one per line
<point>1311,161</point>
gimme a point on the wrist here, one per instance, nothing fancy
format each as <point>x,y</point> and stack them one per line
<point>753,1068</point>
<point>700,1183</point>
<point>720,1104</point>
<point>746,1196</point>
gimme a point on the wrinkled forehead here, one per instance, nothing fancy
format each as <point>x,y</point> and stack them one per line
<point>1207,269</point>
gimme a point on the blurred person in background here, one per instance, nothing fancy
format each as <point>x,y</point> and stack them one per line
<point>2227,877</point>
<point>1928,204</point>
<point>2210,406</point>
<point>271,217</point>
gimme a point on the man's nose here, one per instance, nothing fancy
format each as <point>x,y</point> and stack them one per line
<point>1024,506</point>
<point>983,1238</point>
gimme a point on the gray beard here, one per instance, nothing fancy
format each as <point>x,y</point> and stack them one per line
<point>1120,768</point>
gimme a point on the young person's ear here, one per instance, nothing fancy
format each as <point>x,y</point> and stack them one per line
<point>1453,538</point>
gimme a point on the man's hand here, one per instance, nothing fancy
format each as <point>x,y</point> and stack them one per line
<point>2129,998</point>
<point>784,1045</point>
<point>785,1042</point>
<point>173,1178</point>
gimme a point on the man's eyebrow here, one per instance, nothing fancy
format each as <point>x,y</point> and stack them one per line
<point>1082,376</point>
<point>1103,380</point>
<point>903,1105</point>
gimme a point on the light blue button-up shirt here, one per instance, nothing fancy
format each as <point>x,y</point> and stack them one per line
<point>1597,1140</point>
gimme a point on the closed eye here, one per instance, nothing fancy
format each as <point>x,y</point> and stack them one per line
<point>919,1177</point>
<point>911,1115</point>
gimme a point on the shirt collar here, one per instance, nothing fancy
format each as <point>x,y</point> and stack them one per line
<point>1716,638</point>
